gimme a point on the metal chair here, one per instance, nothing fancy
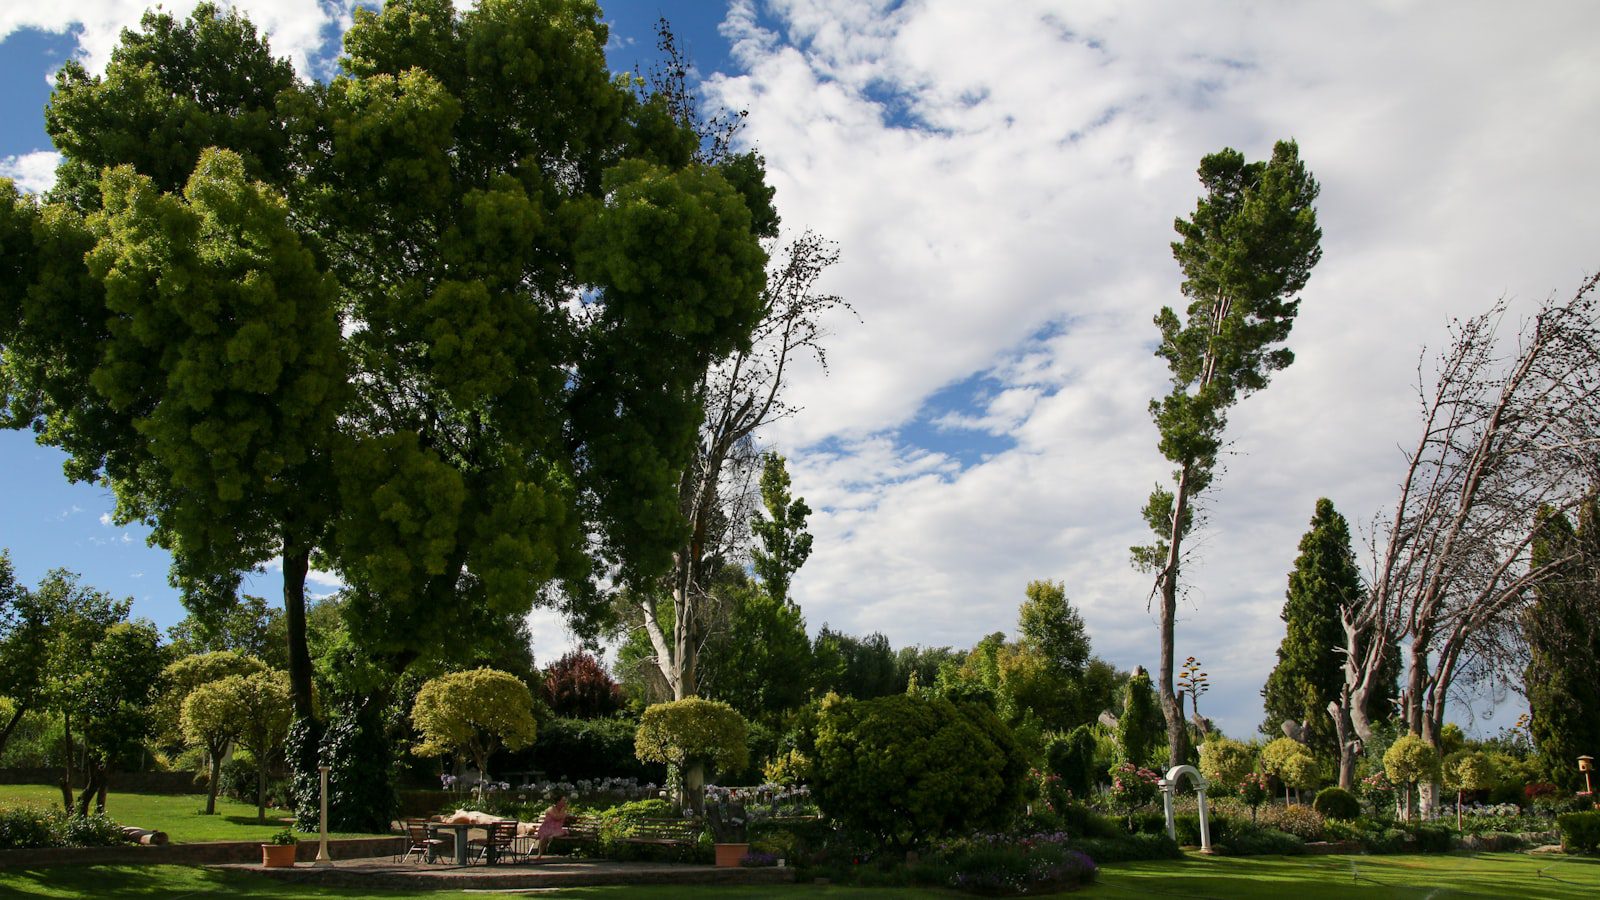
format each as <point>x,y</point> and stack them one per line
<point>419,842</point>
<point>498,843</point>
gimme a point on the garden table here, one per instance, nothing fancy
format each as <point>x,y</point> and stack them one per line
<point>460,836</point>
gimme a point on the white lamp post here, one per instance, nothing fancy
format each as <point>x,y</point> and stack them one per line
<point>322,841</point>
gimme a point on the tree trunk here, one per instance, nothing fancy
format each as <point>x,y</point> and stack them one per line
<point>66,782</point>
<point>216,775</point>
<point>261,790</point>
<point>1177,731</point>
<point>11,726</point>
<point>1347,747</point>
<point>296,563</point>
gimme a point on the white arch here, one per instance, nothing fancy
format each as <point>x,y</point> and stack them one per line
<point>1169,784</point>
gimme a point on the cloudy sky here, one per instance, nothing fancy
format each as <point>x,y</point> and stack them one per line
<point>1002,180</point>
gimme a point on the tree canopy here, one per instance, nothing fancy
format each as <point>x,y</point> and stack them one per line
<point>474,712</point>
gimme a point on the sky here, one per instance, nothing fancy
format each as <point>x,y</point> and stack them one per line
<point>1001,180</point>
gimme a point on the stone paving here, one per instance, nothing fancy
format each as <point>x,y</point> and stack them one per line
<point>549,872</point>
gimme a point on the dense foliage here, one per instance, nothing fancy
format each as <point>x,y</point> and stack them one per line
<point>911,767</point>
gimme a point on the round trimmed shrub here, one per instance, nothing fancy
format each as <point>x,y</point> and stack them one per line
<point>909,767</point>
<point>1337,803</point>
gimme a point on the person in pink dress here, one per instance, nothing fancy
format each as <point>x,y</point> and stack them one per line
<point>552,825</point>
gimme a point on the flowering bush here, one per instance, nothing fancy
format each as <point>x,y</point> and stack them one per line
<point>1379,791</point>
<point>1254,789</point>
<point>730,810</point>
<point>1132,787</point>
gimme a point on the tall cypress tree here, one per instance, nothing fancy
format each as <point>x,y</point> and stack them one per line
<point>1310,667</point>
<point>1564,646</point>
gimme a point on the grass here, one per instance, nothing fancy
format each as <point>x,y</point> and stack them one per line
<point>1312,877</point>
<point>179,815</point>
<point>1193,878</point>
<point>190,882</point>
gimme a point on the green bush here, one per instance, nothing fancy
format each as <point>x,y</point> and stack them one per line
<point>1010,869</point>
<point>1079,820</point>
<point>1297,819</point>
<point>93,830</point>
<point>32,828</point>
<point>1579,830</point>
<point>1337,803</point>
<point>574,749</point>
<point>1384,840</point>
<point>1072,759</point>
<point>1129,848</point>
<point>1431,838</point>
<point>1253,840</point>
<point>26,827</point>
<point>1188,828</point>
<point>912,767</point>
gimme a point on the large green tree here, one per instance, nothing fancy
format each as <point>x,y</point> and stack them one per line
<point>1563,638</point>
<point>1246,253</point>
<point>1051,627</point>
<point>109,696</point>
<point>438,320</point>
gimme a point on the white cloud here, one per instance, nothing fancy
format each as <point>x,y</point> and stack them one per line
<point>106,520</point>
<point>33,172</point>
<point>295,28</point>
<point>994,176</point>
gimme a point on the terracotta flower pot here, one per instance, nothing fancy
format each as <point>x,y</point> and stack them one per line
<point>278,856</point>
<point>729,855</point>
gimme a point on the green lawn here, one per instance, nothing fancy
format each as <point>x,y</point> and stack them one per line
<point>1194,878</point>
<point>179,815</point>
<point>1312,877</point>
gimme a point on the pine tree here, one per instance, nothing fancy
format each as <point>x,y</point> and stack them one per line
<point>1310,668</point>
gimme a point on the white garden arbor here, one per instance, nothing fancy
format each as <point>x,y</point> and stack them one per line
<point>1169,786</point>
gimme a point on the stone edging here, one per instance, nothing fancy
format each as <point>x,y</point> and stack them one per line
<point>194,854</point>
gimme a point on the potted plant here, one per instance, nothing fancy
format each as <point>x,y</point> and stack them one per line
<point>730,827</point>
<point>280,853</point>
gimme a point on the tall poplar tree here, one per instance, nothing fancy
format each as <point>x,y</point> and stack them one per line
<point>785,544</point>
<point>1310,669</point>
<point>1246,252</point>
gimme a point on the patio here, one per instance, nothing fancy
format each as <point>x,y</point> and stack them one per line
<point>549,872</point>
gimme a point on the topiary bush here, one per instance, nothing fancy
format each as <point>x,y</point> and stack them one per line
<point>911,767</point>
<point>1337,803</point>
<point>692,731</point>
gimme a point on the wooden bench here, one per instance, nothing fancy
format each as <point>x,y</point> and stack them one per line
<point>665,832</point>
<point>579,830</point>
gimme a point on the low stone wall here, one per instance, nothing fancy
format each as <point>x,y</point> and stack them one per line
<point>1325,848</point>
<point>121,782</point>
<point>194,854</point>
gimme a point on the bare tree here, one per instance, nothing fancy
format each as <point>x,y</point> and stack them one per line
<point>715,496</point>
<point>1507,433</point>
